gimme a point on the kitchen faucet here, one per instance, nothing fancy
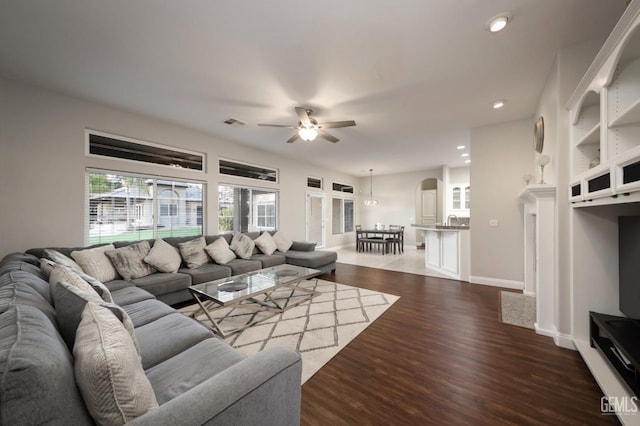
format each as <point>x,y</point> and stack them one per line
<point>451,216</point>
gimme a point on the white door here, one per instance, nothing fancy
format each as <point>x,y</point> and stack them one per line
<point>315,218</point>
<point>429,206</point>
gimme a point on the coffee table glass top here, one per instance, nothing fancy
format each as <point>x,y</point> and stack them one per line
<point>253,283</point>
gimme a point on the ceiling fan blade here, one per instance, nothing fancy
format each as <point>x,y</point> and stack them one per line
<point>303,117</point>
<point>327,136</point>
<point>336,124</point>
<point>294,138</point>
<point>278,125</point>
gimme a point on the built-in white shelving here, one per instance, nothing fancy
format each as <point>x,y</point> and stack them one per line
<point>604,185</point>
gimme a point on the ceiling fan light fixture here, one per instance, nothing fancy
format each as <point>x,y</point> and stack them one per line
<point>307,133</point>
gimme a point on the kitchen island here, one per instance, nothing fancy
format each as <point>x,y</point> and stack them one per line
<point>446,250</point>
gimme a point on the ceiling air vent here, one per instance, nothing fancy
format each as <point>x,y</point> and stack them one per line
<point>234,122</point>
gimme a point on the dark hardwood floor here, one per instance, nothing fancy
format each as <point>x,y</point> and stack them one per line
<point>440,355</point>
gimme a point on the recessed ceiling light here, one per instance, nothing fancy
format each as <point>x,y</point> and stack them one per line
<point>466,154</point>
<point>499,104</point>
<point>498,22</point>
<point>467,161</point>
<point>460,147</point>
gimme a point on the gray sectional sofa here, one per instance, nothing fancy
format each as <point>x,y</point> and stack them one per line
<point>171,288</point>
<point>181,373</point>
<point>196,378</point>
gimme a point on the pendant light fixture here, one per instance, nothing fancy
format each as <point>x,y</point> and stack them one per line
<point>371,201</point>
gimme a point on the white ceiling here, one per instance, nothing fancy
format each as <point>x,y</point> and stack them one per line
<point>415,75</point>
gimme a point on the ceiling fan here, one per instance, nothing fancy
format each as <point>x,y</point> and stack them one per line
<point>308,127</point>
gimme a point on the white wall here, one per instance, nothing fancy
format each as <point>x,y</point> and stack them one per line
<point>396,196</point>
<point>43,163</point>
<point>501,155</point>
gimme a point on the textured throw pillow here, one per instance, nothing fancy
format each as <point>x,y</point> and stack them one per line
<point>242,245</point>
<point>71,302</point>
<point>95,263</point>
<point>266,243</point>
<point>193,253</point>
<point>129,260</point>
<point>220,252</point>
<point>164,257</point>
<point>282,241</point>
<point>78,279</point>
<point>61,259</point>
<point>108,369</point>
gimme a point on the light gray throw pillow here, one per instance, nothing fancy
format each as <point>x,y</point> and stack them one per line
<point>242,245</point>
<point>282,241</point>
<point>78,279</point>
<point>220,252</point>
<point>164,257</point>
<point>266,243</point>
<point>94,262</point>
<point>108,369</point>
<point>129,260</point>
<point>193,253</point>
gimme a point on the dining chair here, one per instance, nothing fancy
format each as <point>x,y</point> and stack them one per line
<point>396,240</point>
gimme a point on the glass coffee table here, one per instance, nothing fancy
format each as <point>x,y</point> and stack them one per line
<point>242,290</point>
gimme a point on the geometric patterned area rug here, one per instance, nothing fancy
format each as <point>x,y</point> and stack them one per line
<point>518,309</point>
<point>317,329</point>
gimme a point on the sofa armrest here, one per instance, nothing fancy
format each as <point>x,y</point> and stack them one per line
<point>303,246</point>
<point>261,389</point>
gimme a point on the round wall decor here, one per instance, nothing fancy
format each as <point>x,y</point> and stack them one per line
<point>538,134</point>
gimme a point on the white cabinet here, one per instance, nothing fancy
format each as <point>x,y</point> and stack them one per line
<point>447,252</point>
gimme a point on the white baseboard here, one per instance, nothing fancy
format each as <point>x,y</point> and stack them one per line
<point>496,282</point>
<point>529,293</point>
<point>560,339</point>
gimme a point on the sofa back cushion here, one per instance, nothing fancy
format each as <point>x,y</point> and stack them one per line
<point>34,281</point>
<point>38,385</point>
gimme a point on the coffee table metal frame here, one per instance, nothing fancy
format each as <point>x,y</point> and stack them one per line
<point>261,282</point>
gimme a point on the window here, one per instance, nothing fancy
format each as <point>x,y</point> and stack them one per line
<point>105,145</point>
<point>243,209</point>
<point>343,215</point>
<point>314,182</point>
<point>467,197</point>
<point>233,168</point>
<point>342,188</point>
<point>121,207</point>
<point>456,198</point>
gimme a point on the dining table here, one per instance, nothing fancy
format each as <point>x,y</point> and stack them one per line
<point>379,237</point>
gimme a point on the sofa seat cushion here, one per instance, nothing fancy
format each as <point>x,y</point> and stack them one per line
<point>310,259</point>
<point>118,284</point>
<point>38,384</point>
<point>269,260</point>
<point>182,333</point>
<point>128,295</point>
<point>162,283</point>
<point>145,311</point>
<point>208,272</point>
<point>241,266</point>
<point>184,371</point>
